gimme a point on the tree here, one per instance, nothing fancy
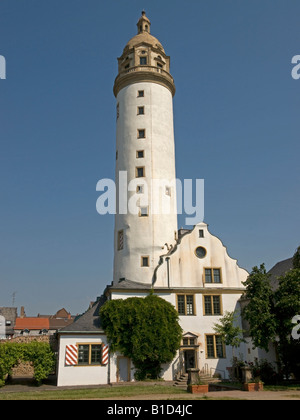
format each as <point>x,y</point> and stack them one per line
<point>259,311</point>
<point>287,305</point>
<point>144,329</point>
<point>230,332</point>
<point>296,258</point>
<point>270,313</point>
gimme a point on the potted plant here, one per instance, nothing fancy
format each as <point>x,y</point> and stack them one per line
<point>257,385</point>
<point>199,388</point>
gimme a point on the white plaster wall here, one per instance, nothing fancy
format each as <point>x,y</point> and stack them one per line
<point>256,353</point>
<point>187,270</point>
<point>200,325</point>
<point>145,236</point>
<point>80,375</point>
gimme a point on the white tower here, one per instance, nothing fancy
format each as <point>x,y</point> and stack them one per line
<point>145,151</point>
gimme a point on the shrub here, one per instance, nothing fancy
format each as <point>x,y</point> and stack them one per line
<point>40,354</point>
<point>144,329</point>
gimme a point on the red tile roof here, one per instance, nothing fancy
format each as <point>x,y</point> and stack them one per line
<point>32,323</point>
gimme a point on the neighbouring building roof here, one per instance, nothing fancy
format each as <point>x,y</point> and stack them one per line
<point>89,322</point>
<point>30,323</point>
<point>58,323</point>
<point>129,285</point>
<point>61,313</point>
<point>61,319</point>
<point>280,269</point>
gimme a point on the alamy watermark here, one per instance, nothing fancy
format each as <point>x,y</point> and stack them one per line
<point>139,197</point>
<point>296,69</point>
<point>296,329</point>
<point>2,67</point>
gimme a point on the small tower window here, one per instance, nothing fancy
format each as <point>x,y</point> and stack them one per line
<point>120,240</point>
<point>145,261</point>
<point>140,189</point>
<point>141,94</point>
<point>201,233</point>
<point>140,172</point>
<point>140,154</point>
<point>143,61</point>
<point>144,212</point>
<point>141,133</point>
<point>141,110</point>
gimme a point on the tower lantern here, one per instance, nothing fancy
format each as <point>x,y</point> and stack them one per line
<point>143,23</point>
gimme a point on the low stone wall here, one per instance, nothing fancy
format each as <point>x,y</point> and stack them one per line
<point>51,339</point>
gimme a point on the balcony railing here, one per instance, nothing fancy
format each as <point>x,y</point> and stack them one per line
<point>151,69</point>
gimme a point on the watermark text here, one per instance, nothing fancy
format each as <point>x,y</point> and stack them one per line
<point>2,67</point>
<point>296,69</point>
<point>152,197</point>
<point>296,329</point>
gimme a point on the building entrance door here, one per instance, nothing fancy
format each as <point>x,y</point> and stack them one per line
<point>123,369</point>
<point>189,359</point>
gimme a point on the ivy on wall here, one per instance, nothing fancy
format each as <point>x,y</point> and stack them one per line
<point>144,329</point>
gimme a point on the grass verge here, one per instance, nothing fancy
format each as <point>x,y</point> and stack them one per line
<point>93,393</point>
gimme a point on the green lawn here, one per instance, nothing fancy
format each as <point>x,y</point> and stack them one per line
<point>119,392</point>
<point>90,393</point>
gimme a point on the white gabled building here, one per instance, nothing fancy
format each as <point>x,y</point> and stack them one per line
<point>189,268</point>
<point>199,278</point>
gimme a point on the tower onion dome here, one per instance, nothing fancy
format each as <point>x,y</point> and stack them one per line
<point>143,60</point>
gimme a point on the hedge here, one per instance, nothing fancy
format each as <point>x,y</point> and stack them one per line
<point>40,354</point>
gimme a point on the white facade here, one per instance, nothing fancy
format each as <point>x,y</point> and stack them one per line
<point>200,303</point>
<point>72,375</point>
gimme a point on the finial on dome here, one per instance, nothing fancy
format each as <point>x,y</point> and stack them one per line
<point>143,23</point>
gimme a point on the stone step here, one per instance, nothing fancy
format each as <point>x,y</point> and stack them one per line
<point>206,378</point>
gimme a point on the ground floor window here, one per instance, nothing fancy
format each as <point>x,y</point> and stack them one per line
<point>215,348</point>
<point>89,354</point>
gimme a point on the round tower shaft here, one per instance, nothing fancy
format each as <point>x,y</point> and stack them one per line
<point>145,158</point>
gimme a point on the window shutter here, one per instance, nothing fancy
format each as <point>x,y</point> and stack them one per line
<point>71,355</point>
<point>104,354</point>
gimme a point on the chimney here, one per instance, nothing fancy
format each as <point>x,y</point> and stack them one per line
<point>22,312</point>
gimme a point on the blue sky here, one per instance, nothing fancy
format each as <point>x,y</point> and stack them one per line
<point>237,125</point>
